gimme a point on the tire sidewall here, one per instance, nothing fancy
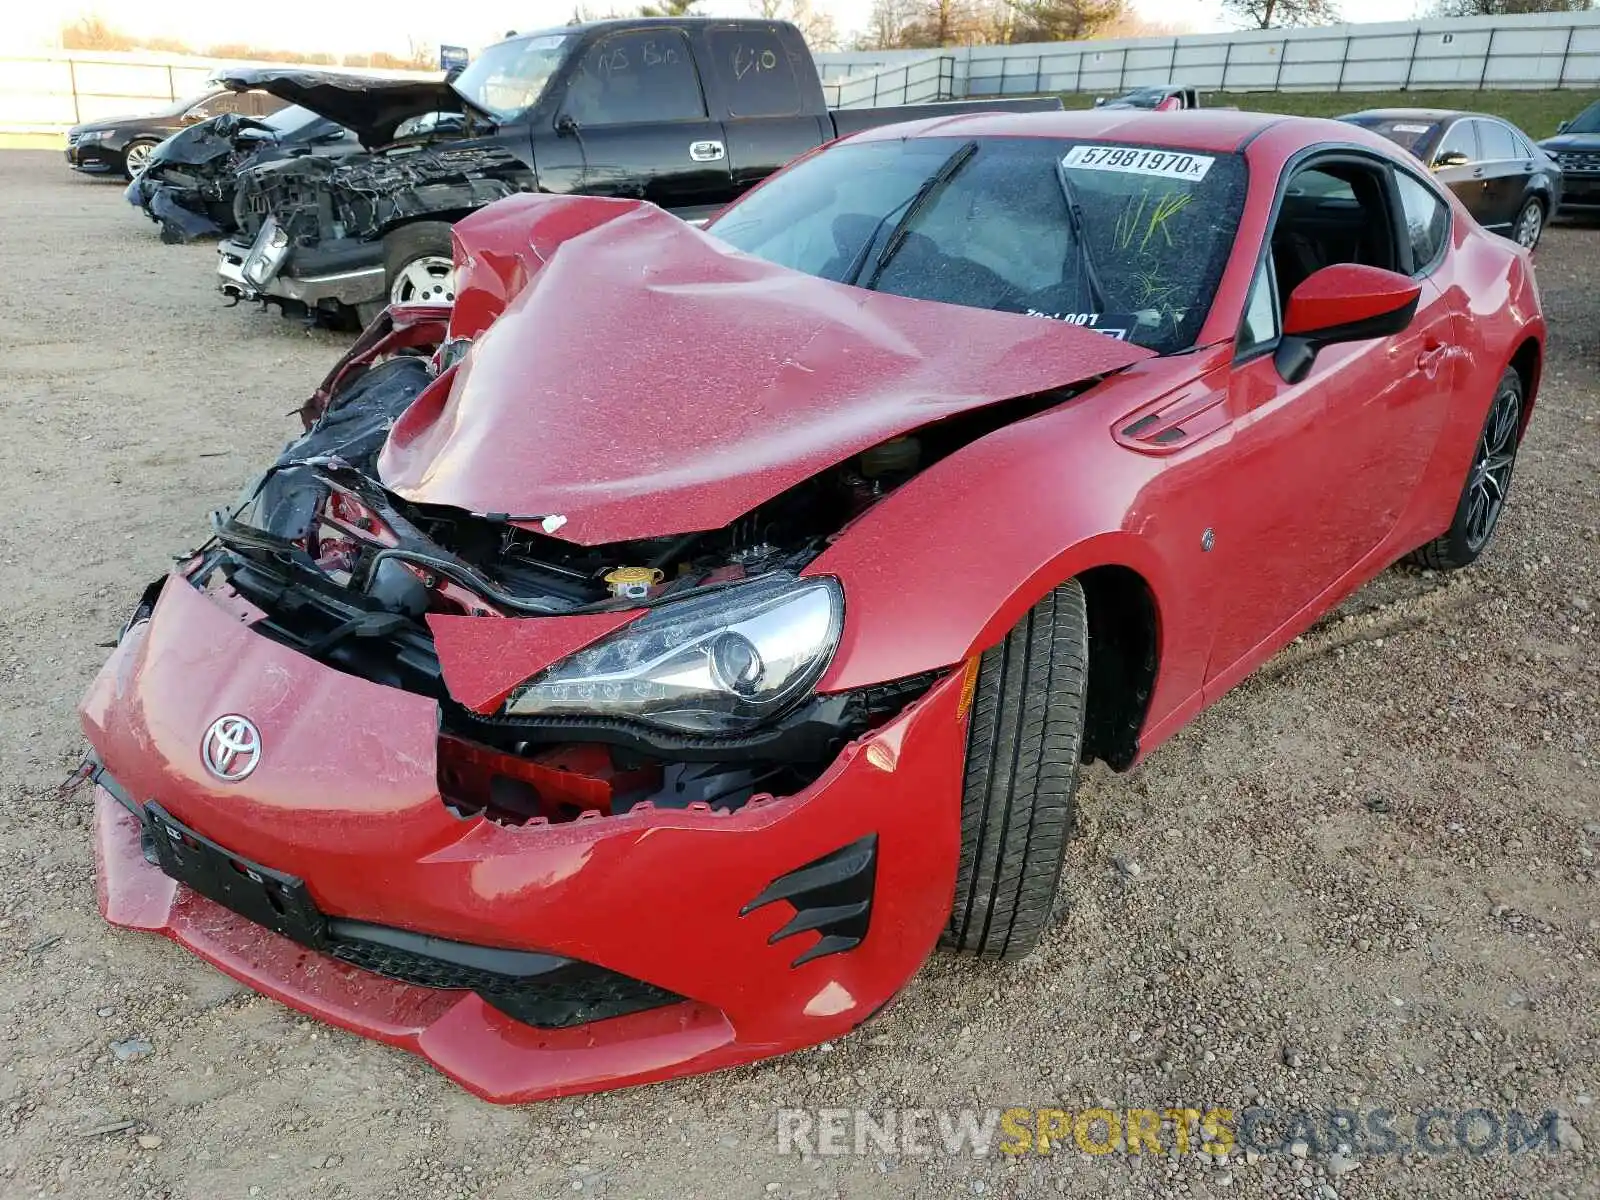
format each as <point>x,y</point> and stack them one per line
<point>1459,547</point>
<point>403,246</point>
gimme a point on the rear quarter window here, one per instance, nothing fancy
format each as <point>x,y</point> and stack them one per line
<point>755,73</point>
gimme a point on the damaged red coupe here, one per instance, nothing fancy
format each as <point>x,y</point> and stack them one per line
<point>641,665</point>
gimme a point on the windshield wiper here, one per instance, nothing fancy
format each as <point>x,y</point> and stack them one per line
<point>919,199</point>
<point>1086,265</point>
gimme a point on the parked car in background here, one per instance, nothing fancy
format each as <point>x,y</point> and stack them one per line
<point>640,664</point>
<point>1576,147</point>
<point>122,145</point>
<point>1160,97</point>
<point>687,113</point>
<point>188,182</point>
<point>1508,184</point>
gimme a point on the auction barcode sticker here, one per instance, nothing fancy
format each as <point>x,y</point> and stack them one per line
<point>1168,164</point>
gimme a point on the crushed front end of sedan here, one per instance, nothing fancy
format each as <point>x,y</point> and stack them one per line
<point>518,696</point>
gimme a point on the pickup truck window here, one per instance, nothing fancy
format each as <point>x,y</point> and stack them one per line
<point>755,72</point>
<point>1138,253</point>
<point>641,76</point>
<point>509,77</point>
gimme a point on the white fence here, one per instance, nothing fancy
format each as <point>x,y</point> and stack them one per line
<point>1543,50</point>
<point>45,93</point>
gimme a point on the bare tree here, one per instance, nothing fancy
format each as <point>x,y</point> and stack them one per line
<point>887,23</point>
<point>1063,20</point>
<point>816,27</point>
<point>669,8</point>
<point>1282,14</point>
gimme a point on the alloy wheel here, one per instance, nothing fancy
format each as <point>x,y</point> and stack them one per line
<point>430,279</point>
<point>1491,473</point>
<point>138,157</point>
<point>1530,226</point>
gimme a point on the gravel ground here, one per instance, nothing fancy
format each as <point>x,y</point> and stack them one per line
<point>1364,880</point>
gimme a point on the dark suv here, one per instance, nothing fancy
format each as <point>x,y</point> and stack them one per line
<point>1510,185</point>
<point>122,145</point>
<point>1576,147</point>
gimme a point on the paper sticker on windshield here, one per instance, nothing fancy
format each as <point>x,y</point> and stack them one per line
<point>1167,164</point>
<point>1411,128</point>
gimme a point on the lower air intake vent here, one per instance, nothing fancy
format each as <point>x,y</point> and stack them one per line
<point>831,896</point>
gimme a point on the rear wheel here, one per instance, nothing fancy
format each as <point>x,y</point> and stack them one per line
<point>136,157</point>
<point>1023,746</point>
<point>1483,496</point>
<point>1530,224</point>
<point>417,264</point>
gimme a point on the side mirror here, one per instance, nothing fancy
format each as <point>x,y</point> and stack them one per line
<point>1452,158</point>
<point>566,126</point>
<point>1563,127</point>
<point>1099,100</point>
<point>1346,302</point>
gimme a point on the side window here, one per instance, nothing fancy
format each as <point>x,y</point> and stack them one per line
<point>1460,138</point>
<point>1427,221</point>
<point>214,106</point>
<point>1334,212</point>
<point>642,76</point>
<point>1496,141</point>
<point>1260,325</point>
<point>756,75</point>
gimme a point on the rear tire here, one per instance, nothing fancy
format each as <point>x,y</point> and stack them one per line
<point>1488,483</point>
<point>417,264</point>
<point>1529,227</point>
<point>1023,748</point>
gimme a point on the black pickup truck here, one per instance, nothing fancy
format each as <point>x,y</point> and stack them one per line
<point>686,112</point>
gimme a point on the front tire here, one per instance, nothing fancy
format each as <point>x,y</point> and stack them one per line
<point>418,267</point>
<point>1483,496</point>
<point>135,156</point>
<point>1023,748</point>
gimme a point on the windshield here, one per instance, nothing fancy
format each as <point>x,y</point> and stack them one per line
<point>1127,240</point>
<point>1588,121</point>
<point>508,78</point>
<point>289,120</point>
<point>1145,97</point>
<point>1416,134</point>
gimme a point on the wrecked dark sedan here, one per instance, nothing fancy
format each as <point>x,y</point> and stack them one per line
<point>639,665</point>
<point>684,112</point>
<point>187,184</point>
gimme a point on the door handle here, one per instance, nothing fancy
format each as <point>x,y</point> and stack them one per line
<point>707,151</point>
<point>1478,173</point>
<point>1429,358</point>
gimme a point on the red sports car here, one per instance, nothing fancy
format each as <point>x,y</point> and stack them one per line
<point>641,665</point>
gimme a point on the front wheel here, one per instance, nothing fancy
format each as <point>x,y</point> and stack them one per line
<point>1023,747</point>
<point>1530,225</point>
<point>136,157</point>
<point>417,264</point>
<point>1483,496</point>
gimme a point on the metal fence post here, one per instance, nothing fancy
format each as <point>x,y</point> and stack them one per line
<point>1411,63</point>
<point>1227,58</point>
<point>1122,72</point>
<point>172,88</point>
<point>1344,61</point>
<point>1561,79</point>
<point>1283,52</point>
<point>1077,78</point>
<point>1038,73</point>
<point>1004,58</point>
<point>72,76</point>
<point>1172,61</point>
<point>1488,53</point>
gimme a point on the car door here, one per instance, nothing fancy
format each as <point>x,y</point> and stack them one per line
<point>1503,175</point>
<point>1322,469</point>
<point>635,108</point>
<point>767,91</point>
<point>1458,165</point>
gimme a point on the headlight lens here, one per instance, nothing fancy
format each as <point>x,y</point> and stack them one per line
<point>715,663</point>
<point>94,135</point>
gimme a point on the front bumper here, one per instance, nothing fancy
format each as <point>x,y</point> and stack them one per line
<point>1580,192</point>
<point>349,273</point>
<point>94,158</point>
<point>346,798</point>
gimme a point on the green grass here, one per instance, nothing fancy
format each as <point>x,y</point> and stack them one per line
<point>1535,113</point>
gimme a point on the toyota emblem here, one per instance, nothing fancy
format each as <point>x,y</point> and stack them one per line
<point>232,747</point>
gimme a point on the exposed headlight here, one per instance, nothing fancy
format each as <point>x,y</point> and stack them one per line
<point>714,663</point>
<point>267,255</point>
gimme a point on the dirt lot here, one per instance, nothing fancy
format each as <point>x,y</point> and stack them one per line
<point>1365,880</point>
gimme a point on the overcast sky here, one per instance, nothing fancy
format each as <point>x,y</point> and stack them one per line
<point>339,28</point>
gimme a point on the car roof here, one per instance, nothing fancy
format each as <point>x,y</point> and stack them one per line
<point>1420,114</point>
<point>1216,130</point>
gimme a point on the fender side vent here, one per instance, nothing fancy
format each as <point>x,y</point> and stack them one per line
<point>831,896</point>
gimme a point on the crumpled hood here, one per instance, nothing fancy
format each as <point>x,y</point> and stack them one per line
<point>1571,141</point>
<point>372,109</point>
<point>645,379</point>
